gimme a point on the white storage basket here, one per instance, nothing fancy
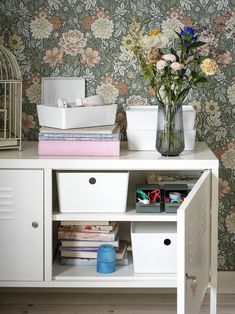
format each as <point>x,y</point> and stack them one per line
<point>92,191</point>
<point>154,246</point>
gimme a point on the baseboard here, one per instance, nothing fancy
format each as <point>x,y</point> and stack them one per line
<point>226,282</point>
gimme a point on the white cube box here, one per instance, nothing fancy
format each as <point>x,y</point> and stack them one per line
<point>145,117</point>
<point>92,191</point>
<point>154,247</point>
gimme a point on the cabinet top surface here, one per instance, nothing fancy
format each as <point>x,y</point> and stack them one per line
<point>201,158</point>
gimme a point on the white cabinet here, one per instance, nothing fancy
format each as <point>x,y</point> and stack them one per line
<point>21,225</point>
<point>195,220</point>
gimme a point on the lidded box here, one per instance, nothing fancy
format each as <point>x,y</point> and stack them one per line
<point>92,191</point>
<point>154,247</point>
<point>70,89</point>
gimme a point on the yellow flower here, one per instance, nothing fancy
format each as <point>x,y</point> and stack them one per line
<point>154,32</point>
<point>15,41</point>
<point>128,42</point>
<point>209,66</point>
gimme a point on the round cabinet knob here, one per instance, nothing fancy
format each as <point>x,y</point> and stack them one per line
<point>35,224</point>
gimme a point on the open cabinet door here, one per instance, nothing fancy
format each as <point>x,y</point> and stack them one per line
<point>193,246</point>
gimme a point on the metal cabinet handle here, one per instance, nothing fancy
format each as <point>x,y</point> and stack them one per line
<point>35,224</point>
<point>194,284</point>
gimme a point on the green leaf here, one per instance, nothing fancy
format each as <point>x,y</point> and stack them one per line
<point>200,79</point>
<point>175,54</point>
<point>194,74</point>
<point>196,44</point>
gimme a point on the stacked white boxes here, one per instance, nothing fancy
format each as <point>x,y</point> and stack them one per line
<point>142,127</point>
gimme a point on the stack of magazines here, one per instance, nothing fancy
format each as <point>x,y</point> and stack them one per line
<point>93,141</point>
<point>79,242</point>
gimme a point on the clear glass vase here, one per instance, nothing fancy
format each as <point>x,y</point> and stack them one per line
<point>170,131</point>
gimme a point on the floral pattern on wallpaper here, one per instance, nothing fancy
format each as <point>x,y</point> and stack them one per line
<point>90,38</point>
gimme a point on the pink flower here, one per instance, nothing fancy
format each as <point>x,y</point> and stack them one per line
<point>90,57</point>
<point>169,57</point>
<point>177,66</point>
<point>54,56</point>
<point>161,64</point>
<point>72,42</point>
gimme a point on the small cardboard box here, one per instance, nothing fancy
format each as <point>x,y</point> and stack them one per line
<point>151,192</point>
<point>176,190</point>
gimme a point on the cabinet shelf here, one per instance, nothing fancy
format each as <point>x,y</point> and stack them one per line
<point>124,276</point>
<point>129,215</point>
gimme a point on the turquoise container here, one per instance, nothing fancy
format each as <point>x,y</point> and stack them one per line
<point>106,259</point>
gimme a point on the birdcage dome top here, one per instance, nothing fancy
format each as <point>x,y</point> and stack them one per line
<point>9,68</point>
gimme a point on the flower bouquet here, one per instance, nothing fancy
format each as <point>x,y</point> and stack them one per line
<point>172,69</point>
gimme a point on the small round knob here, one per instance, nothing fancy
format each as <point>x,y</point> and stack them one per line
<point>35,224</point>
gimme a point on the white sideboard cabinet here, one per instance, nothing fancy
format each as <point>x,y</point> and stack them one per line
<point>29,218</point>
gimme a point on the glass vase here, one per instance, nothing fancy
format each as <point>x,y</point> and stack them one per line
<point>170,131</point>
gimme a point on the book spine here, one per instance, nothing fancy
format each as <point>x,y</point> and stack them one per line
<point>78,137</point>
<point>79,148</point>
<point>74,235</point>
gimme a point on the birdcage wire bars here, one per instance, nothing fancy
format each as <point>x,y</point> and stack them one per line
<point>10,101</point>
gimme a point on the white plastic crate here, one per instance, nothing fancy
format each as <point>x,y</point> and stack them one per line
<point>146,139</point>
<point>145,117</point>
<point>154,247</point>
<point>70,89</point>
<point>92,191</point>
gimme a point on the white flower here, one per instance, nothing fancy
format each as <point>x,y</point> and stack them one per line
<point>170,26</point>
<point>102,28</point>
<point>169,57</point>
<point>230,223</point>
<point>158,41</point>
<point>108,91</point>
<point>228,159</point>
<point>231,94</point>
<point>34,93</point>
<point>212,107</point>
<point>161,64</point>
<point>177,66</point>
<point>41,28</point>
<point>196,105</point>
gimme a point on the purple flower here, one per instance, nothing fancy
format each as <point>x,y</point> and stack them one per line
<point>188,35</point>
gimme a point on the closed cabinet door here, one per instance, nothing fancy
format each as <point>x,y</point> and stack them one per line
<point>21,225</point>
<point>193,246</point>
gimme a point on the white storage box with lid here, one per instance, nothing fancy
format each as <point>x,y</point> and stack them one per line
<point>142,126</point>
<point>154,247</point>
<point>68,88</point>
<point>92,191</point>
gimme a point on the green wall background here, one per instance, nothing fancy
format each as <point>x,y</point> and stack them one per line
<point>85,38</point>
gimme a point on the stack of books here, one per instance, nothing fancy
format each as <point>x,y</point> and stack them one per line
<point>79,242</point>
<point>93,141</point>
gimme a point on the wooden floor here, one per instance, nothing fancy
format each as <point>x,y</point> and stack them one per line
<point>100,303</point>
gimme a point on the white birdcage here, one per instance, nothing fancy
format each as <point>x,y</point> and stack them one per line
<point>10,101</point>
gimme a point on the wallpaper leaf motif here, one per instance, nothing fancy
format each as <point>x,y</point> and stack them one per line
<point>87,38</point>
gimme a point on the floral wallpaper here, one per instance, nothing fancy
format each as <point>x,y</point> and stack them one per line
<point>90,38</point>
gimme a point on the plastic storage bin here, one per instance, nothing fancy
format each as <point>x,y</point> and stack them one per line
<point>76,117</point>
<point>68,88</point>
<point>92,191</point>
<point>142,126</point>
<point>152,193</point>
<point>154,247</point>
